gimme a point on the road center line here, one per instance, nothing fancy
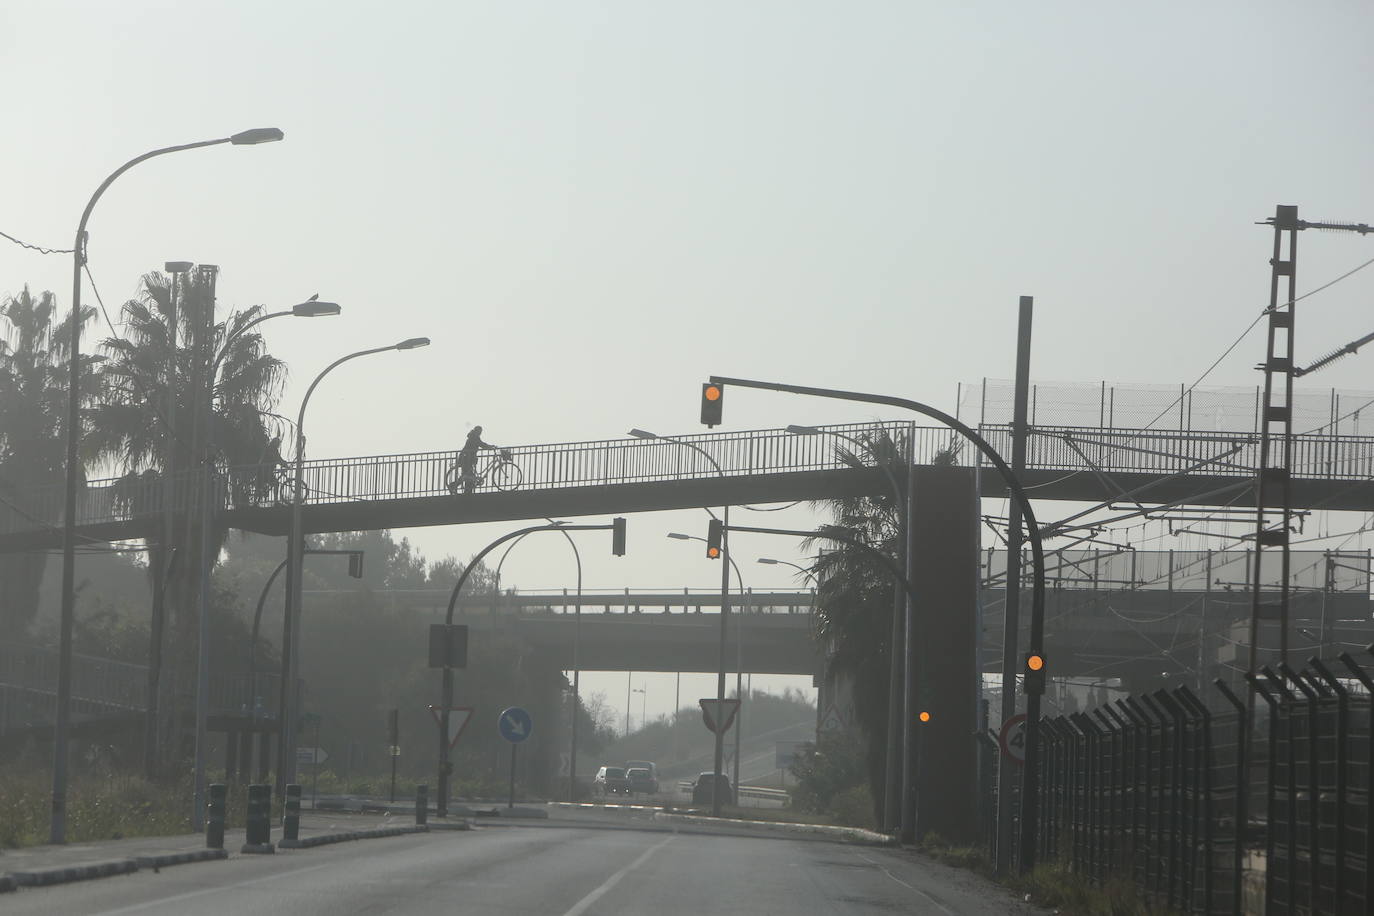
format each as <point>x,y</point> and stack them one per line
<point>581,906</point>
<point>940,906</point>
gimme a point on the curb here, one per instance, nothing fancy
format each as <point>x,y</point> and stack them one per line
<point>42,877</point>
<point>326,839</point>
<point>608,809</point>
<point>450,825</point>
<point>855,835</point>
<point>163,860</point>
<point>518,811</point>
<point>260,848</point>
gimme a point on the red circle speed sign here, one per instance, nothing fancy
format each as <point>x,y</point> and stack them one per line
<point>1013,738</point>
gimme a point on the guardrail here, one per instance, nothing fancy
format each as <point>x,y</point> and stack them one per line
<point>761,793</point>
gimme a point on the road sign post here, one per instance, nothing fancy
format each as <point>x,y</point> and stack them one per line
<point>515,726</point>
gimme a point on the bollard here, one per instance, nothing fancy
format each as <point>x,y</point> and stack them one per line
<point>421,805</point>
<point>291,818</point>
<point>214,816</point>
<point>259,820</point>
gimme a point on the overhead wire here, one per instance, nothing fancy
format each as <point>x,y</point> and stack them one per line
<point>38,248</point>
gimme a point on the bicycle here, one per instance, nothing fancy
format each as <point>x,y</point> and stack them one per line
<point>283,486</point>
<point>501,472</point>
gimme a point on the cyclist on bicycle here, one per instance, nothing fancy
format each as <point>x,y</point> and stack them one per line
<point>467,458</point>
<point>270,464</point>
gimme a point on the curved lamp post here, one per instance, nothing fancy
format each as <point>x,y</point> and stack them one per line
<point>896,734</point>
<point>308,309</point>
<point>58,823</point>
<point>724,601</point>
<point>291,626</point>
<point>441,797</point>
<point>577,647</point>
<point>1031,768</point>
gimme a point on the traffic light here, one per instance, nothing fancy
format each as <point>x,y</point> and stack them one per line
<point>712,400</point>
<point>618,536</point>
<point>1034,675</point>
<point>713,537</point>
<point>924,716</point>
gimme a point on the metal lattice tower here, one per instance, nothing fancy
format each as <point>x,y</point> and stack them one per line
<point>1273,496</point>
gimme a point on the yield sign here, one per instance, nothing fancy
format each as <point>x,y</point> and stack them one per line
<point>718,714</point>
<point>457,720</point>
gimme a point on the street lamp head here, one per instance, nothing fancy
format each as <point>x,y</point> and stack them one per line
<point>767,561</point>
<point>796,430</point>
<point>678,536</point>
<point>177,267</point>
<point>643,434</point>
<point>315,309</point>
<point>413,343</point>
<point>256,135</point>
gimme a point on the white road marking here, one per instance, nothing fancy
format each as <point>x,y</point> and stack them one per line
<point>940,906</point>
<point>581,906</point>
<point>220,888</point>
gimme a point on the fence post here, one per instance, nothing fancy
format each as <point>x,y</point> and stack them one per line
<point>1363,677</point>
<point>1313,789</point>
<point>1342,726</point>
<point>1144,756</point>
<point>259,820</point>
<point>1242,802</point>
<point>1112,795</point>
<point>1168,822</point>
<point>1272,699</point>
<point>214,816</point>
<point>1203,805</point>
<point>421,805</point>
<point>291,818</point>
<point>1193,764</point>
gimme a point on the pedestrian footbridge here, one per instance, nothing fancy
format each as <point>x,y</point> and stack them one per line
<point>616,476</point>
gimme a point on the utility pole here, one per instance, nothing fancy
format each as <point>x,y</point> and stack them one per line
<point>1006,769</point>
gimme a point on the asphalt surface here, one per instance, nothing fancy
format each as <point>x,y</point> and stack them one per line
<point>560,868</point>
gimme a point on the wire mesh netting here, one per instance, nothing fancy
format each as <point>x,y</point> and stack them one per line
<point>1164,407</point>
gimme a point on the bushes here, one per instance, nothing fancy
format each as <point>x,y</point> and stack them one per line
<point>832,781</point>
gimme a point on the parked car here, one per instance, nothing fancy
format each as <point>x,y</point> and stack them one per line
<point>611,781</point>
<point>641,780</point>
<point>701,789</point>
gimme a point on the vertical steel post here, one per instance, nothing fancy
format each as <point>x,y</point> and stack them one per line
<point>1006,770</point>
<point>719,751</point>
<point>205,370</point>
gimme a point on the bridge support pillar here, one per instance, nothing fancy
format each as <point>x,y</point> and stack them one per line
<point>944,573</point>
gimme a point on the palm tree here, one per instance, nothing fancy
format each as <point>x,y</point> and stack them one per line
<point>855,603</point>
<point>154,385</point>
<point>33,421</point>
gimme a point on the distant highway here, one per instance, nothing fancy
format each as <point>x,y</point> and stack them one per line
<point>560,867</point>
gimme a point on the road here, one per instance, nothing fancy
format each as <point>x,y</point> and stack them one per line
<point>560,868</point>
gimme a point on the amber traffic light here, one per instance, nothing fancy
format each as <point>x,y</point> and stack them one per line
<point>713,538</point>
<point>924,716</point>
<point>712,400</point>
<point>1034,675</point>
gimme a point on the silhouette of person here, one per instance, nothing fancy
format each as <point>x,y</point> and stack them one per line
<point>467,458</point>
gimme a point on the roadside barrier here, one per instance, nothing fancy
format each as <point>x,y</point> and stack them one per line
<point>214,816</point>
<point>259,820</point>
<point>291,818</point>
<point>421,805</point>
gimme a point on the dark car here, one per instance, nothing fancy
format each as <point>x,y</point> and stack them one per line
<point>641,780</point>
<point>701,789</point>
<point>611,781</point>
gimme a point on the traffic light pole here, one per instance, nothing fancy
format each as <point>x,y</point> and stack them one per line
<point>1030,770</point>
<point>720,668</point>
<point>441,796</point>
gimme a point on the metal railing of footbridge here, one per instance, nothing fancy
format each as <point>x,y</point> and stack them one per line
<point>739,454</point>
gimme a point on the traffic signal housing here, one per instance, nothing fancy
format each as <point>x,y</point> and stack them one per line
<point>713,539</point>
<point>1033,682</point>
<point>618,537</point>
<point>712,400</point>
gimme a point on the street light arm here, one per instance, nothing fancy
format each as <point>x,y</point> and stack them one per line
<point>300,416</point>
<point>832,534</point>
<point>519,533</point>
<point>100,191</point>
<point>1014,485</point>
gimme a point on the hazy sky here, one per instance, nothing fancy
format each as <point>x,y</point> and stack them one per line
<point>591,206</point>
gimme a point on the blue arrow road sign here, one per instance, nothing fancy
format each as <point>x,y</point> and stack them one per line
<point>515,724</point>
